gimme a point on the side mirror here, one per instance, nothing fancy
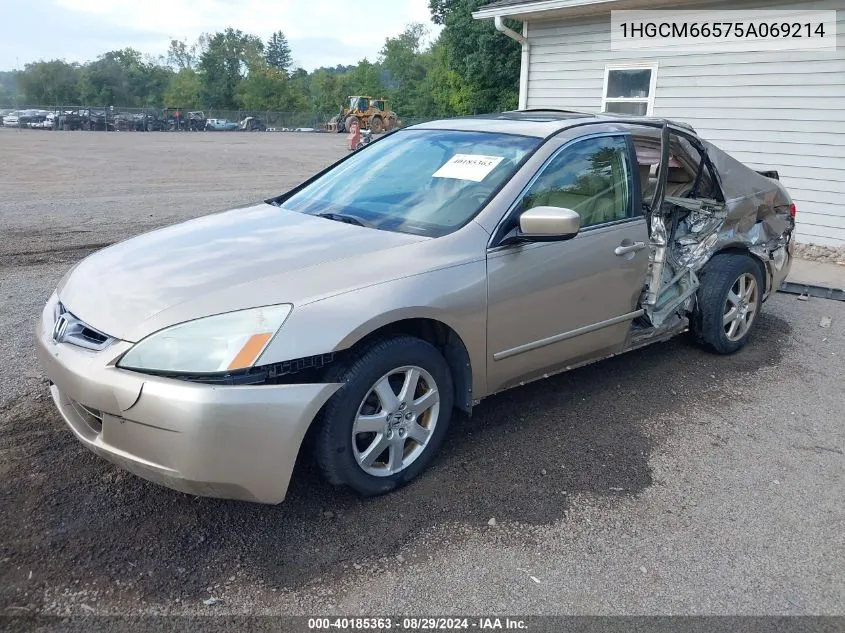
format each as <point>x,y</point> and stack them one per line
<point>548,224</point>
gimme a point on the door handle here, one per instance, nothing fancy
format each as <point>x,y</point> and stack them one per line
<point>629,248</point>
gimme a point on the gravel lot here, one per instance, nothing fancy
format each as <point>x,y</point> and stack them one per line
<point>665,481</point>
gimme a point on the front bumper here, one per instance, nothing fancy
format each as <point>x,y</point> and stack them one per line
<point>234,442</point>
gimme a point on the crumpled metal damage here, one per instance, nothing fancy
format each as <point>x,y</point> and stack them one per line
<point>756,215</point>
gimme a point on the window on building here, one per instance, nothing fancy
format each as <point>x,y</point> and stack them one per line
<point>629,89</point>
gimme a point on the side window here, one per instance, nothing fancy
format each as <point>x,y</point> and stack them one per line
<point>591,177</point>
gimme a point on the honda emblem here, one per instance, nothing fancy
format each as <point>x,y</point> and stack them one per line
<point>60,328</point>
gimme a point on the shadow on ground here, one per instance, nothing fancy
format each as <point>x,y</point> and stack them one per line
<point>69,516</point>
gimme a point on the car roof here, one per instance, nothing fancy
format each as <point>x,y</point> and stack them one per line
<point>539,122</point>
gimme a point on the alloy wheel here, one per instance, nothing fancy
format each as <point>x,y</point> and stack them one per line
<point>395,421</point>
<point>740,307</point>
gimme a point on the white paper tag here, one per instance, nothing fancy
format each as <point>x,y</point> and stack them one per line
<point>468,167</point>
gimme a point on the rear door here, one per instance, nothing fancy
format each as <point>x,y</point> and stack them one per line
<point>552,304</point>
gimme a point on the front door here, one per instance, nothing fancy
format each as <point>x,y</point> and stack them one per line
<point>554,304</point>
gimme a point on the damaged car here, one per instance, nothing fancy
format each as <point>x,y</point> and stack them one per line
<point>435,267</point>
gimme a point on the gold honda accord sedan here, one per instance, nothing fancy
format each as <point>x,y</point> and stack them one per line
<point>434,267</point>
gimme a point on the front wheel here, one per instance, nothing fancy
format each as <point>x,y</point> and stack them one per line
<point>729,301</point>
<point>384,426</point>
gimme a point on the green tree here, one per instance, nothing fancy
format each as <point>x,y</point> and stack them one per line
<point>278,54</point>
<point>364,79</point>
<point>327,91</point>
<point>124,78</point>
<point>184,90</point>
<point>151,84</point>
<point>9,94</point>
<point>406,62</point>
<point>50,83</point>
<point>180,56</point>
<point>225,63</point>
<point>485,59</point>
<point>443,92</point>
<point>300,87</point>
<point>470,68</point>
<point>267,88</point>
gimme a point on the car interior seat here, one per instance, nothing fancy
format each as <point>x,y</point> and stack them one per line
<point>601,205</point>
<point>678,182</point>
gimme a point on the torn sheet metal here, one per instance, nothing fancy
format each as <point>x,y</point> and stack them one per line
<point>687,229</point>
<point>756,214</point>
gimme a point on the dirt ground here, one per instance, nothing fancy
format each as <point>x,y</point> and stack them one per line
<point>664,481</point>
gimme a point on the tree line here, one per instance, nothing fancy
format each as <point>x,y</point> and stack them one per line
<point>469,68</point>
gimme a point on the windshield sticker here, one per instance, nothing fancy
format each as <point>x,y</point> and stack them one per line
<point>468,167</point>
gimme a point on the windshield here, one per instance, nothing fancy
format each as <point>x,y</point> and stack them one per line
<point>425,182</point>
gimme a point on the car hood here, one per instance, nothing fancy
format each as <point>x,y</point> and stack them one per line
<point>259,255</point>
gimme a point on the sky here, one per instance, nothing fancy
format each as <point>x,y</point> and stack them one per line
<point>320,32</point>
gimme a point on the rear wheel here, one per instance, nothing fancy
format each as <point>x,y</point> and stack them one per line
<point>383,427</point>
<point>729,301</point>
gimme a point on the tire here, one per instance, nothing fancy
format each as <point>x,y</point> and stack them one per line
<point>368,461</point>
<point>376,125</point>
<point>731,283</point>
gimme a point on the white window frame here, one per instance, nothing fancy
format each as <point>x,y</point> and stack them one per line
<point>652,86</point>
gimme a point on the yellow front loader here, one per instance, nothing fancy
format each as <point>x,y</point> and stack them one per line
<point>372,114</point>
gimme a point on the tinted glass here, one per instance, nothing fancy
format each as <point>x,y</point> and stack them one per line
<point>628,84</point>
<point>591,177</point>
<point>426,182</point>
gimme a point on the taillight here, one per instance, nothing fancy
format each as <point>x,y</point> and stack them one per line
<point>793,210</point>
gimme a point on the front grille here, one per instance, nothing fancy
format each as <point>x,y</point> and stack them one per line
<point>93,336</point>
<point>69,329</point>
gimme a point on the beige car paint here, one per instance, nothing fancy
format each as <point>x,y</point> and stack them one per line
<point>583,282</point>
<point>554,222</point>
<point>521,310</point>
<point>236,442</point>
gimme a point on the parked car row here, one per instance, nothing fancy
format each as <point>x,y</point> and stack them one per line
<point>169,119</point>
<point>23,118</point>
<point>77,119</point>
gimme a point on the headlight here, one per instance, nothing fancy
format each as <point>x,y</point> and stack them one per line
<point>224,342</point>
